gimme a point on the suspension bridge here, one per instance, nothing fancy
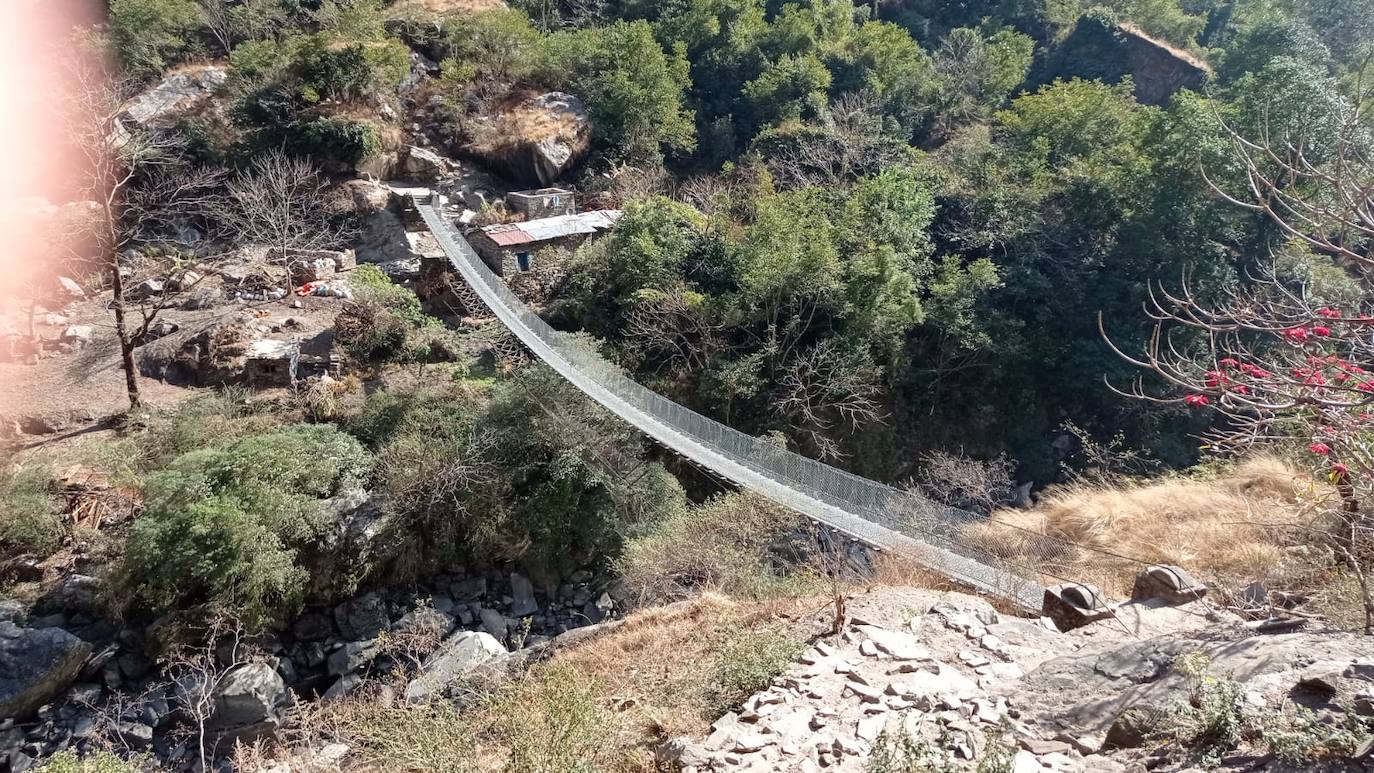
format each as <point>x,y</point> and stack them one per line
<point>879,515</point>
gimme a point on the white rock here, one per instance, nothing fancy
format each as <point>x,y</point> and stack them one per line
<point>1025,762</point>
<point>870,727</point>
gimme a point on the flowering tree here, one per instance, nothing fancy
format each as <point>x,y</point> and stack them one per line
<point>1277,362</point>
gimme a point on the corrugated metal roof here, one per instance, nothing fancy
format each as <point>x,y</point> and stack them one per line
<point>507,235</point>
<point>546,228</point>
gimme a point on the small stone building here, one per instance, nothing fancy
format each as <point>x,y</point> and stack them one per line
<point>510,248</point>
<point>545,202</point>
<point>271,363</point>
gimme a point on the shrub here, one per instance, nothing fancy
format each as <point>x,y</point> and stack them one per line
<point>369,332</point>
<point>372,284</point>
<point>209,417</point>
<point>222,527</point>
<point>29,517</point>
<point>151,35</point>
<point>726,544</point>
<point>330,71</point>
<point>386,323</point>
<point>746,665</point>
<point>68,761</point>
<point>334,140</point>
<point>554,723</point>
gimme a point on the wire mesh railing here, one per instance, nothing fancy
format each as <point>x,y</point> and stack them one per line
<point>1000,560</point>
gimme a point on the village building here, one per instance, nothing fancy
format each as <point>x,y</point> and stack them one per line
<point>511,248</point>
<point>271,363</point>
<point>545,202</point>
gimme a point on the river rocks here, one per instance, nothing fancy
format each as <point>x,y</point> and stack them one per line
<point>460,654</point>
<point>249,698</point>
<point>352,656</point>
<point>522,595</point>
<point>35,665</point>
<point>362,618</point>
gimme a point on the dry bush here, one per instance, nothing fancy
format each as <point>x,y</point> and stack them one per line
<point>729,544</point>
<point>602,704</point>
<point>1222,529</point>
<point>657,668</point>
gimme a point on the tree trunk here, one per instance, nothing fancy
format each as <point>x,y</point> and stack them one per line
<point>126,346</point>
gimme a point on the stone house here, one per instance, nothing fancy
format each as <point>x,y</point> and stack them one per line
<point>271,363</point>
<point>510,248</point>
<point>545,202</point>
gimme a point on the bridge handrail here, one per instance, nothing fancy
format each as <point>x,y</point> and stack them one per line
<point>882,515</point>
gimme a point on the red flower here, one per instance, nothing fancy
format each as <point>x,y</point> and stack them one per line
<point>1241,389</point>
<point>1321,330</point>
<point>1196,400</point>
<point>1230,362</point>
<point>1329,313</point>
<point>1321,449</point>
<point>1338,470</point>
<point>1214,378</point>
<point>1365,386</point>
<point>1296,334</point>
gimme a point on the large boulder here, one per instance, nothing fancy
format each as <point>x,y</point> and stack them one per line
<point>538,141</point>
<point>460,654</point>
<point>357,541</point>
<point>247,702</point>
<point>175,95</point>
<point>422,165</point>
<point>35,665</point>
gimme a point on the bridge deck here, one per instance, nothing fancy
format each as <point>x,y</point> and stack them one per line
<point>779,477</point>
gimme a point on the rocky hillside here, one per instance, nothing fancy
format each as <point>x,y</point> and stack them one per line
<point>920,680</point>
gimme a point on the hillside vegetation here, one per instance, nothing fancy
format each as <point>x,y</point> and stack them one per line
<point>279,494</point>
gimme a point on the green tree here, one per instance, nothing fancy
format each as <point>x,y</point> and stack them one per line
<point>151,35</point>
<point>792,88</point>
<point>224,527</point>
<point>496,48</point>
<point>633,89</point>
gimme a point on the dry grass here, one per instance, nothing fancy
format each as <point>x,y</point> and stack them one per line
<point>1221,529</point>
<point>656,668</point>
<point>603,703</point>
<point>519,123</point>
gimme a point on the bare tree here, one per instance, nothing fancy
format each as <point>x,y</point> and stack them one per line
<point>140,184</point>
<point>671,331</point>
<point>852,145</point>
<point>218,18</point>
<point>199,670</point>
<point>820,389</point>
<point>1275,364</point>
<point>283,203</point>
<point>1318,192</point>
<point>967,483</point>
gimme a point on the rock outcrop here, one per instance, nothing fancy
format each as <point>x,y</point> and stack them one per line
<point>539,140</point>
<point>1109,52</point>
<point>175,95</point>
<point>963,684</point>
<point>35,665</point>
<point>459,655</point>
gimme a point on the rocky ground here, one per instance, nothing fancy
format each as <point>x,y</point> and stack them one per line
<point>75,682</point>
<point>943,681</point>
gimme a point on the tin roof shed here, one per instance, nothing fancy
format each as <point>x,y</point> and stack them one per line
<point>544,229</point>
